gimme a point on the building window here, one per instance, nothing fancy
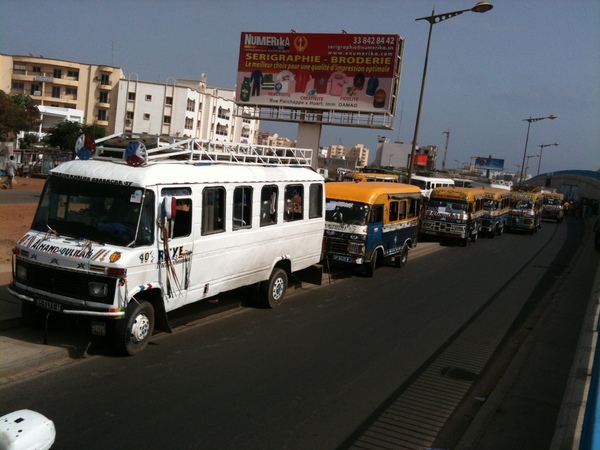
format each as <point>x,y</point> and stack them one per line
<point>35,89</point>
<point>102,114</point>
<point>74,74</point>
<point>189,123</point>
<point>103,97</point>
<point>18,85</point>
<point>55,91</point>
<point>169,101</point>
<point>36,69</point>
<point>166,120</point>
<point>57,73</point>
<point>148,98</point>
<point>131,96</point>
<point>105,80</point>
<point>129,115</point>
<point>146,116</point>
<point>191,105</point>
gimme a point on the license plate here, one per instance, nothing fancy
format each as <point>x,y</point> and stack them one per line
<point>51,306</point>
<point>342,258</point>
<point>98,328</point>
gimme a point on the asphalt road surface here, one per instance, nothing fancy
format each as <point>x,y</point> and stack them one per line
<point>381,362</point>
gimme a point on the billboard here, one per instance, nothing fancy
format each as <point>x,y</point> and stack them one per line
<point>489,163</point>
<point>345,72</point>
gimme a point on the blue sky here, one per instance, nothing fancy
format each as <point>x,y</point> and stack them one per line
<point>487,72</point>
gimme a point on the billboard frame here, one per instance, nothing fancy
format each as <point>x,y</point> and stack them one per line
<point>298,109</point>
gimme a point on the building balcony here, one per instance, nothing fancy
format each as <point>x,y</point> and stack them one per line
<point>106,69</point>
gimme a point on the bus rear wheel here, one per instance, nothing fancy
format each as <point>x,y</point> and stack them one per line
<point>400,260</point>
<point>273,290</point>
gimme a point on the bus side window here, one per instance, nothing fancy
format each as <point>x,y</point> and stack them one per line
<point>242,207</point>
<point>293,195</point>
<point>393,211</point>
<point>213,210</point>
<point>402,210</point>
<point>413,209</point>
<point>183,218</point>
<point>315,205</point>
<point>376,214</point>
<point>268,205</point>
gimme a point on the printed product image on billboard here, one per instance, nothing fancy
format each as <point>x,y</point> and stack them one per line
<point>347,72</point>
<point>489,163</point>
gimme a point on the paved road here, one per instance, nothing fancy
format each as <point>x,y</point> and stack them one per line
<point>326,370</point>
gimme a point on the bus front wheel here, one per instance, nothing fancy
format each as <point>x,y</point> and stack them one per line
<point>371,265</point>
<point>132,334</point>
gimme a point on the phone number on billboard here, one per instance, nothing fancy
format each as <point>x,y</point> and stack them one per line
<point>373,40</point>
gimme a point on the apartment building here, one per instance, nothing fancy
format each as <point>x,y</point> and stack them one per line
<point>357,152</point>
<point>109,99</point>
<point>63,84</point>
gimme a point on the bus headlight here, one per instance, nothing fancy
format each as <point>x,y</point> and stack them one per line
<point>97,289</point>
<point>355,248</point>
<point>21,272</point>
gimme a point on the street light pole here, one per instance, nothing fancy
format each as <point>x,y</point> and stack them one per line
<point>541,150</point>
<point>480,7</point>
<point>536,119</point>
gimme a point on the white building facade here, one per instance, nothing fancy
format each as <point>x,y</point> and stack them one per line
<point>185,108</point>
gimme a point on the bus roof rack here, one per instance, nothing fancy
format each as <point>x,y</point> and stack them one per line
<point>142,149</point>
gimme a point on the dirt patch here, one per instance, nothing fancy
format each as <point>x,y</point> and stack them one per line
<point>15,219</point>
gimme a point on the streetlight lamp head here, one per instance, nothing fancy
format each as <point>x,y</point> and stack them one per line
<point>552,117</point>
<point>482,7</point>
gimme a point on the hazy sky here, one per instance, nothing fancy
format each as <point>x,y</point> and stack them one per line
<point>487,72</point>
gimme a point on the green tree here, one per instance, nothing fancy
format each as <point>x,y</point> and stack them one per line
<point>64,135</point>
<point>17,113</point>
<point>27,140</point>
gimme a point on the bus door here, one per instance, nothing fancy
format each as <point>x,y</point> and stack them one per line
<point>176,244</point>
<point>374,230</point>
<point>392,238</point>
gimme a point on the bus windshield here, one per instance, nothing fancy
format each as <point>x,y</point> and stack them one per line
<point>447,206</point>
<point>98,212</point>
<point>349,213</point>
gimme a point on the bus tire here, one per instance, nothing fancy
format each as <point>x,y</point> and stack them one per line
<point>132,334</point>
<point>371,265</point>
<point>400,260</point>
<point>492,233</point>
<point>500,230</point>
<point>273,290</point>
<point>474,236</point>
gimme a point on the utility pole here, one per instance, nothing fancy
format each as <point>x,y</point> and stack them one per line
<point>447,133</point>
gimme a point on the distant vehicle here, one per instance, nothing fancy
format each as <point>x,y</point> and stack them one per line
<point>370,177</point>
<point>496,205</point>
<point>366,222</point>
<point>526,205</point>
<point>455,213</point>
<point>553,208</point>
<point>133,233</point>
<point>427,184</point>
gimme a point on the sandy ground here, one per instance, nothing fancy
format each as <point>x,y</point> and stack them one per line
<point>16,219</point>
